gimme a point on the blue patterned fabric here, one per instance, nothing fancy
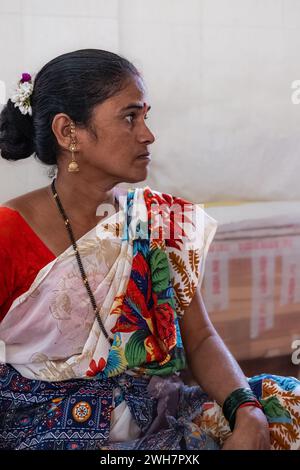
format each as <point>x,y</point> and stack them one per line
<point>73,414</point>
<point>76,414</point>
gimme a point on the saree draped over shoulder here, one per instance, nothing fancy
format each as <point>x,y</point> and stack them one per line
<point>64,386</point>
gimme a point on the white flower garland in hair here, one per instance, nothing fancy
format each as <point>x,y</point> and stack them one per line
<point>24,90</point>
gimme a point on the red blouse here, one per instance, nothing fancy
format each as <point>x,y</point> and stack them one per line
<point>22,255</point>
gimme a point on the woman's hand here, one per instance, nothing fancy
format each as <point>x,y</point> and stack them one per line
<point>251,431</point>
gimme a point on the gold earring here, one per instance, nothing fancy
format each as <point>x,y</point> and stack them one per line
<point>73,165</point>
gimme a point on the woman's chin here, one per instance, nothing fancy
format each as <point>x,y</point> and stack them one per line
<point>138,176</point>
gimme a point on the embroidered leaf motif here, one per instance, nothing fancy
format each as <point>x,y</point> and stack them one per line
<point>190,290</point>
<point>159,270</point>
<point>173,365</point>
<point>278,441</point>
<point>116,361</point>
<point>194,260</point>
<point>178,291</point>
<point>274,411</point>
<point>179,295</point>
<point>135,352</point>
<point>180,267</point>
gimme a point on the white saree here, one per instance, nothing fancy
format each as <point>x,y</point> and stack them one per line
<point>50,332</point>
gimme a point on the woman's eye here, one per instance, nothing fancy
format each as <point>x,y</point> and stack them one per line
<point>129,118</point>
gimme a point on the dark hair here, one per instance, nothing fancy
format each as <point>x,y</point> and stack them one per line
<point>72,83</point>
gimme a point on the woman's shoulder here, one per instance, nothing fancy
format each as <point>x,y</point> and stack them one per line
<point>10,214</point>
<point>10,225</point>
<point>15,214</point>
<point>23,201</point>
<point>24,205</point>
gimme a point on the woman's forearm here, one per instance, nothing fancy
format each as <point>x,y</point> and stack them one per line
<point>215,369</point>
<point>218,374</point>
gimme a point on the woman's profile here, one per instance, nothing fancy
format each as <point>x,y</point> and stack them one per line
<point>100,301</point>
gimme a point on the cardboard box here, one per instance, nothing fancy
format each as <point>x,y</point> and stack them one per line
<point>251,289</point>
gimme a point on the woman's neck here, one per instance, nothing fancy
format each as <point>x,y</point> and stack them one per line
<point>81,198</point>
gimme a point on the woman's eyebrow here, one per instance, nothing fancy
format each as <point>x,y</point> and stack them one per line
<point>136,106</point>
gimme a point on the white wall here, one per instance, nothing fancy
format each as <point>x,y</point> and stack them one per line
<point>219,75</point>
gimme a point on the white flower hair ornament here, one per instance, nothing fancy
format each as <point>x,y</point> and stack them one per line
<point>22,95</point>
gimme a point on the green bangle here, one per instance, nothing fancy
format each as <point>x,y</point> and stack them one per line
<point>234,401</point>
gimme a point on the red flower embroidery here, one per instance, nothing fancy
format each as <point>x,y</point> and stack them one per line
<point>94,368</point>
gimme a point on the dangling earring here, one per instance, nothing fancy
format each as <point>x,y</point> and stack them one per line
<point>73,165</point>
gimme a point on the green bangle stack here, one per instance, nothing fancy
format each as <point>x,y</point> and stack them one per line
<point>234,401</point>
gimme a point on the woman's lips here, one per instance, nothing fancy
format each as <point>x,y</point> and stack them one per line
<point>144,156</point>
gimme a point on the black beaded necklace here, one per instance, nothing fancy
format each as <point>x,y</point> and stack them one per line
<point>78,258</point>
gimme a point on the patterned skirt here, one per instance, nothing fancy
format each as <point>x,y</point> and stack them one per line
<point>75,414</point>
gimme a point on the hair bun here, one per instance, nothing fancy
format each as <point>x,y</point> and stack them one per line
<point>16,133</point>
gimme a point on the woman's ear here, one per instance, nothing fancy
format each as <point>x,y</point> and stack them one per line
<point>61,127</point>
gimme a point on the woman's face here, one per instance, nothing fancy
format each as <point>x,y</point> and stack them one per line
<point>121,150</point>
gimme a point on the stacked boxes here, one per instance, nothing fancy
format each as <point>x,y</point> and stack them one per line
<point>251,289</point>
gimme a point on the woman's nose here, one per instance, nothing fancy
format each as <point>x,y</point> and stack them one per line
<point>147,136</point>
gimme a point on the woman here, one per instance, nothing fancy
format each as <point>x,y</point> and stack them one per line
<point>100,287</point>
